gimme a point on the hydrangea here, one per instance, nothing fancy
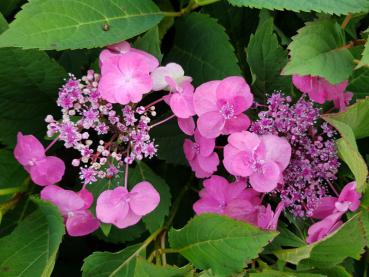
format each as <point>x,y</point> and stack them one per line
<point>314,161</point>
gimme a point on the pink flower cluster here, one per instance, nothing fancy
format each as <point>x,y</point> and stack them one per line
<point>330,210</point>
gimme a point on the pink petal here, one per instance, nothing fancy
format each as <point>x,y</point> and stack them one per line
<point>187,125</point>
<point>206,145</point>
<point>215,187</point>
<point>204,98</point>
<point>321,229</point>
<point>151,62</point>
<point>81,223</point>
<point>120,47</point>
<point>235,91</point>
<point>65,200</point>
<point>211,124</point>
<point>237,162</point>
<point>277,149</point>
<point>244,141</point>
<point>350,194</point>
<point>274,222</point>
<point>143,198</point>
<point>325,207</point>
<point>28,149</point>
<point>207,205</point>
<point>189,150</point>
<point>199,172</point>
<point>112,206</point>
<point>130,219</point>
<point>48,171</point>
<point>173,70</point>
<point>181,105</point>
<point>264,217</point>
<point>87,197</point>
<point>208,163</point>
<point>268,179</point>
<point>237,123</point>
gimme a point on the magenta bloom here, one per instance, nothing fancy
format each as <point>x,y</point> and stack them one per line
<point>123,208</point>
<point>264,217</point>
<point>74,206</point>
<point>349,199</point>
<point>220,197</point>
<point>261,158</point>
<point>321,229</point>
<point>201,156</point>
<point>44,170</point>
<point>187,125</point>
<point>220,106</point>
<point>320,90</point>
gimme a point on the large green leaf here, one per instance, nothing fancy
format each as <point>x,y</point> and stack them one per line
<point>71,24</point>
<point>332,250</point>
<point>219,242</point>
<point>318,50</point>
<point>146,269</point>
<point>29,85</point>
<point>356,116</point>
<point>30,250</point>
<point>359,83</point>
<point>326,6</point>
<point>266,59</point>
<point>349,153</point>
<point>122,263</point>
<point>150,42</point>
<point>142,172</point>
<point>202,47</point>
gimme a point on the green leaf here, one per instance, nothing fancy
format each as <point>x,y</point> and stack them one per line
<point>332,250</point>
<point>266,59</point>
<point>275,273</point>
<point>219,242</point>
<point>117,235</point>
<point>359,83</point>
<point>30,250</point>
<point>150,42</point>
<point>3,24</point>
<point>170,140</point>
<point>7,7</point>
<point>72,24</point>
<point>121,263</point>
<point>142,172</point>
<point>29,82</point>
<point>356,116</point>
<point>365,54</point>
<point>318,50</point>
<point>326,6</point>
<point>195,33</point>
<point>146,269</point>
<point>349,153</point>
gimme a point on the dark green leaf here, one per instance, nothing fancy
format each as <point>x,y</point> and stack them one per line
<point>72,24</point>
<point>3,24</point>
<point>219,242</point>
<point>195,33</point>
<point>146,269</point>
<point>359,83</point>
<point>7,7</point>
<point>318,50</point>
<point>150,42</point>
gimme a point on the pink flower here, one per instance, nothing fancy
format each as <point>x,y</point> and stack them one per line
<point>201,156</point>
<point>321,229</point>
<point>264,217</point>
<point>74,206</point>
<point>44,170</point>
<point>220,106</point>
<point>349,199</point>
<point>187,125</point>
<point>173,71</point>
<point>220,197</point>
<point>261,158</point>
<point>125,74</point>
<point>320,90</point>
<point>123,208</point>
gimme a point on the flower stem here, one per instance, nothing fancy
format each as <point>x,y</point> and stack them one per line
<point>162,121</point>
<point>346,21</point>
<point>52,144</point>
<point>332,188</point>
<point>153,103</point>
<point>8,191</point>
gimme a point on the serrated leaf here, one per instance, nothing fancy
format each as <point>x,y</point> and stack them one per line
<point>275,273</point>
<point>72,24</point>
<point>29,82</point>
<point>117,235</point>
<point>142,172</point>
<point>219,242</point>
<point>365,54</point>
<point>7,7</point>
<point>359,83</point>
<point>318,50</point>
<point>332,250</point>
<point>146,269</point>
<point>3,24</point>
<point>326,6</point>
<point>266,59</point>
<point>150,42</point>
<point>104,264</point>
<point>30,250</point>
<point>195,33</point>
<point>356,116</point>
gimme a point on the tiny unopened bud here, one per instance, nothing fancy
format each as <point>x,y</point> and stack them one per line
<point>75,162</point>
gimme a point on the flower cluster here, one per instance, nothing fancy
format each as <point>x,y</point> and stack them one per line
<point>314,162</point>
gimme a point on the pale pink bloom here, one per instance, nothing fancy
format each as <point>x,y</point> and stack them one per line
<point>220,197</point>
<point>173,71</point>
<point>123,208</point>
<point>187,125</point>
<point>74,206</point>
<point>261,158</point>
<point>320,90</point>
<point>220,106</point>
<point>44,170</point>
<point>264,217</point>
<point>180,99</point>
<point>349,199</point>
<point>321,229</point>
<point>201,156</point>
